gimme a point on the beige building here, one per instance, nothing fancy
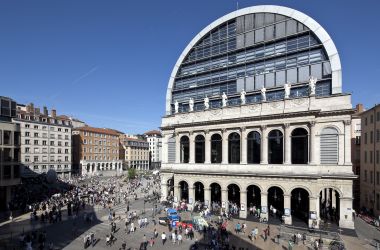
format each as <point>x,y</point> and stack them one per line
<point>134,152</point>
<point>96,150</point>
<point>9,151</point>
<point>45,141</point>
<point>256,116</point>
<point>154,138</point>
<point>370,160</point>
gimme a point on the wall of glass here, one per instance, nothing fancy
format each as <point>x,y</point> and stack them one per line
<point>251,52</point>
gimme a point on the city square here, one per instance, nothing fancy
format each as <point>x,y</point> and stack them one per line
<point>254,140</point>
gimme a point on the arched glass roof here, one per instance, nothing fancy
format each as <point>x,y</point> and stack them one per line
<point>252,48</point>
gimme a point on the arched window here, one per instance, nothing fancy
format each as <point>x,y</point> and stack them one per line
<point>253,147</point>
<point>234,148</point>
<point>199,149</point>
<point>216,148</point>
<point>329,146</point>
<point>184,144</point>
<point>275,147</point>
<point>300,146</point>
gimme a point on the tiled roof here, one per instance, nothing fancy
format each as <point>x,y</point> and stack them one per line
<point>97,130</point>
<point>153,132</point>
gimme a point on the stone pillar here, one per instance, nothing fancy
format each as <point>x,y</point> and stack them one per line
<point>314,208</point>
<point>243,140</point>
<point>264,205</point>
<point>287,205</point>
<point>164,191</point>
<point>225,199</point>
<point>225,147</point>
<point>264,145</point>
<point>207,191</point>
<point>323,195</point>
<point>243,204</point>
<point>177,192</point>
<point>192,148</point>
<point>191,195</point>
<point>288,144</point>
<point>164,148</point>
<point>207,147</point>
<point>312,144</point>
<point>333,198</point>
<point>345,215</point>
<point>347,142</point>
<point>178,150</point>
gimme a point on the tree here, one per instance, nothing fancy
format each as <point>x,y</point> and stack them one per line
<point>131,173</point>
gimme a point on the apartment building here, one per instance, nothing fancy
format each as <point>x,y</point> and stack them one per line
<point>355,153</point>
<point>370,160</point>
<point>45,141</point>
<point>154,138</point>
<point>9,151</point>
<point>134,152</point>
<point>95,151</point>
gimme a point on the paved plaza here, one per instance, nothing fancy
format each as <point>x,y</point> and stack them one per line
<point>69,233</point>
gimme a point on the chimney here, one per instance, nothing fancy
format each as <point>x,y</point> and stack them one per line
<point>359,108</point>
<point>53,113</point>
<point>37,111</point>
<point>46,112</point>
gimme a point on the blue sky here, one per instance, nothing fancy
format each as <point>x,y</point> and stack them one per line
<point>108,62</point>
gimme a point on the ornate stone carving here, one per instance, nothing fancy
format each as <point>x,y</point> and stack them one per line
<point>347,122</point>
<point>263,94</point>
<point>263,127</point>
<point>286,125</point>
<point>254,107</point>
<point>312,123</point>
<point>274,105</point>
<point>287,87</point>
<point>242,97</point>
<point>206,102</point>
<point>176,105</point>
<point>298,102</point>
<point>191,104</point>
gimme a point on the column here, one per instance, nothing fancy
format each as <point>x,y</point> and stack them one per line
<point>177,148</point>
<point>164,191</point>
<point>264,205</point>
<point>313,146</point>
<point>288,144</point>
<point>314,211</point>
<point>264,145</point>
<point>225,199</point>
<point>323,195</point>
<point>207,191</point>
<point>287,205</point>
<point>345,215</point>
<point>333,198</point>
<point>164,148</point>
<point>207,147</point>
<point>192,148</point>
<point>191,195</point>
<point>347,142</point>
<point>243,204</point>
<point>225,147</point>
<point>177,193</point>
<point>243,142</point>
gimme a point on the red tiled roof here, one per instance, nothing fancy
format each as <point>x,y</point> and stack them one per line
<point>97,130</point>
<point>153,132</point>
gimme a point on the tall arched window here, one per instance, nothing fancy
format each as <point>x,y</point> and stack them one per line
<point>216,148</point>
<point>275,147</point>
<point>253,147</point>
<point>184,144</point>
<point>234,148</point>
<point>300,146</point>
<point>199,149</point>
<point>329,146</point>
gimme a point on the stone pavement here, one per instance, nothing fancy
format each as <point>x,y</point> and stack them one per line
<point>64,236</point>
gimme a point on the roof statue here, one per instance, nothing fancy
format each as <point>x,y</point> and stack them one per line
<point>176,107</point>
<point>263,94</point>
<point>313,80</point>
<point>287,87</point>
<point>224,100</point>
<point>206,102</point>
<point>191,104</point>
<point>242,96</point>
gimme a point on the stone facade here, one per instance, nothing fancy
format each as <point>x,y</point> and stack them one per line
<point>291,153</point>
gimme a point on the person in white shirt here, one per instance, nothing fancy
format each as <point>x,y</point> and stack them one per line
<point>179,238</point>
<point>163,237</point>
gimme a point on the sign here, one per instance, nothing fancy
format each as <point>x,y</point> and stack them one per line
<point>206,202</point>
<point>175,199</point>
<point>287,211</point>
<point>242,207</point>
<point>190,200</point>
<point>174,223</point>
<point>313,215</point>
<point>223,204</point>
<point>264,209</point>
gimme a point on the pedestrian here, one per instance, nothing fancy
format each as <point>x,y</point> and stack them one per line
<point>304,238</point>
<point>268,229</point>
<point>265,234</point>
<point>244,226</point>
<point>163,237</point>
<point>179,237</point>
<point>174,237</point>
<point>155,233</point>
<point>144,241</point>
<point>151,242</point>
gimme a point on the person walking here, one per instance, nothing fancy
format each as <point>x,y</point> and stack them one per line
<point>179,238</point>
<point>163,237</point>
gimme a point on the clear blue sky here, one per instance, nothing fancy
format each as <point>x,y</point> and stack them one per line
<point>108,62</point>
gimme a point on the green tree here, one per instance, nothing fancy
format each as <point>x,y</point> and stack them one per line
<point>131,173</point>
